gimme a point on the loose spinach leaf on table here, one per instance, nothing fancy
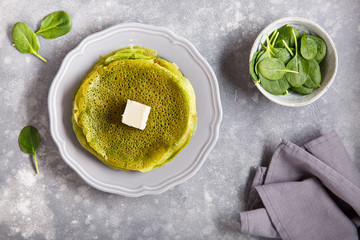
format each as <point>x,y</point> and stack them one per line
<point>29,141</point>
<point>300,65</point>
<point>273,69</point>
<point>314,76</point>
<point>308,47</point>
<point>321,48</point>
<point>25,39</point>
<point>55,25</point>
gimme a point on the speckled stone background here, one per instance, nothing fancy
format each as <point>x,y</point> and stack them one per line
<point>58,204</point>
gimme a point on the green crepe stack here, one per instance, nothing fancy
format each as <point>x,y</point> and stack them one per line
<point>138,74</point>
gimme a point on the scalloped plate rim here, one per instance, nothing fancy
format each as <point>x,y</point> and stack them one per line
<point>143,189</point>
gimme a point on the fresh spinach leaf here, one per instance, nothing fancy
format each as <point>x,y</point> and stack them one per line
<point>279,53</point>
<point>267,52</point>
<point>283,55</point>
<point>321,48</point>
<point>25,39</point>
<point>303,90</point>
<point>300,65</point>
<point>285,33</point>
<point>308,47</point>
<point>258,59</point>
<point>259,55</point>
<point>277,87</point>
<point>252,67</point>
<point>29,141</point>
<point>55,25</point>
<point>273,69</point>
<point>269,49</point>
<point>314,77</point>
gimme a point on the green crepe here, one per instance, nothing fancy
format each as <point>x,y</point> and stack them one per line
<point>138,74</point>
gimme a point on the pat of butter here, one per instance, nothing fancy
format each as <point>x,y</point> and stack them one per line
<point>136,114</point>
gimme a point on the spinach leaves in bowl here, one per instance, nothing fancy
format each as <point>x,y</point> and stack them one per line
<point>292,59</point>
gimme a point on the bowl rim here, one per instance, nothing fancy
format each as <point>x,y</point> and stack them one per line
<point>277,99</point>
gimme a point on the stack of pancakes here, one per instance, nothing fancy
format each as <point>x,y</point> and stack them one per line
<point>138,74</point>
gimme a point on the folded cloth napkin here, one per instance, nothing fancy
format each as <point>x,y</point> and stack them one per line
<point>309,192</point>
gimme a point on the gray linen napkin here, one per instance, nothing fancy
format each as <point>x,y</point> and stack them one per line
<point>309,192</point>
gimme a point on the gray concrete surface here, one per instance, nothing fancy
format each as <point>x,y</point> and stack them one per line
<point>58,204</point>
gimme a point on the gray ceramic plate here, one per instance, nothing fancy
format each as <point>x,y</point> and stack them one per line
<point>169,46</point>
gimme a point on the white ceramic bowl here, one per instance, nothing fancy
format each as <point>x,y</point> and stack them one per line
<point>328,65</point>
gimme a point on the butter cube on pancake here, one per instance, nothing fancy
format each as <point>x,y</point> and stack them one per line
<point>136,114</point>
